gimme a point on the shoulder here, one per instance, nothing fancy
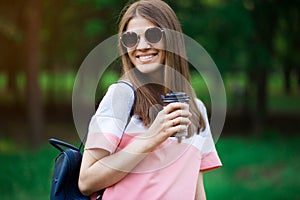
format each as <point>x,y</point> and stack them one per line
<point>121,90</point>
<point>119,97</point>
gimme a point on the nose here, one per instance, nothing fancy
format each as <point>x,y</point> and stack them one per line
<point>143,44</point>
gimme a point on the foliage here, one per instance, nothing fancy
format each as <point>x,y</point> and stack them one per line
<point>248,38</point>
<point>224,29</point>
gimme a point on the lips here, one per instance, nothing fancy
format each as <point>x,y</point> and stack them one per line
<point>146,58</point>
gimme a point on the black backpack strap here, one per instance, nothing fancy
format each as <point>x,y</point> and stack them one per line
<point>134,94</point>
<point>60,145</point>
<point>132,108</point>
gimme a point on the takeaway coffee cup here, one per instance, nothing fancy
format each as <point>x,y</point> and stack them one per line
<point>176,97</point>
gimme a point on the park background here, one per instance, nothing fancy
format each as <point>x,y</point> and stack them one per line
<point>254,43</point>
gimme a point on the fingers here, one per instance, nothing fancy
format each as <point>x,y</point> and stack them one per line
<point>174,110</point>
<point>176,106</point>
<point>179,121</point>
<point>178,113</point>
<point>174,118</point>
<point>177,118</point>
<point>176,129</point>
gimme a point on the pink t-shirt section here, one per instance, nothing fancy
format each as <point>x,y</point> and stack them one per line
<point>169,172</point>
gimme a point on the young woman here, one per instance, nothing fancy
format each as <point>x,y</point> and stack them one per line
<point>130,150</point>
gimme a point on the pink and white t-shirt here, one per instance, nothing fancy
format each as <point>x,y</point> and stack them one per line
<point>168,173</point>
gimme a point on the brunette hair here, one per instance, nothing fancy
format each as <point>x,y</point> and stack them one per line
<point>148,95</point>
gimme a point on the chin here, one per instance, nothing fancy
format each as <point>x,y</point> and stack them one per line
<point>149,68</point>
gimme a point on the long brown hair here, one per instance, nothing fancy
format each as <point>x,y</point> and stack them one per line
<point>148,95</point>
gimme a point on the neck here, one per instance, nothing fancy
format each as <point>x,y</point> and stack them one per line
<point>157,76</point>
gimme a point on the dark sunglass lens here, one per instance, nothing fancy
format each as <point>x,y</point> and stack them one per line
<point>153,35</point>
<point>129,39</point>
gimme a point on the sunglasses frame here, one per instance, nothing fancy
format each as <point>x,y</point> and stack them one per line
<point>138,37</point>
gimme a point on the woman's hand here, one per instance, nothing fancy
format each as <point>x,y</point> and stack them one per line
<point>172,119</point>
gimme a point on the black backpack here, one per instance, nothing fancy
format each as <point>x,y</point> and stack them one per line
<point>64,184</point>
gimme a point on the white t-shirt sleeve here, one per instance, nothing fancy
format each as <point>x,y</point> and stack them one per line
<point>209,157</point>
<point>107,125</point>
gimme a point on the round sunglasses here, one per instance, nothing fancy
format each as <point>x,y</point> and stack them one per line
<point>130,39</point>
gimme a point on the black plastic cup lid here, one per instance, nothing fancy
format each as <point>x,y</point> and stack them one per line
<point>175,97</point>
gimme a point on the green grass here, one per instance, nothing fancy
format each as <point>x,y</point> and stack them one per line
<point>25,175</point>
<point>262,168</point>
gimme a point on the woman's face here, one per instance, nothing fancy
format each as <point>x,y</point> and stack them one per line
<point>147,57</point>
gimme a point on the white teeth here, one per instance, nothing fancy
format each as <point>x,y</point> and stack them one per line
<point>143,58</point>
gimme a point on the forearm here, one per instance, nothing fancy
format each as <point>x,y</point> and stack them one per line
<point>111,169</point>
<point>200,191</point>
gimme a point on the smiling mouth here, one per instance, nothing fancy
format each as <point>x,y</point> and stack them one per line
<point>145,58</point>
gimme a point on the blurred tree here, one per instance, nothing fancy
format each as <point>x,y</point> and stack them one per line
<point>265,18</point>
<point>225,29</point>
<point>49,35</point>
<point>76,28</point>
<point>32,67</point>
<point>244,36</point>
<point>240,35</point>
<point>11,42</point>
<point>288,42</point>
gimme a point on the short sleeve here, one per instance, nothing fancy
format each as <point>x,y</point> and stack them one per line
<point>108,123</point>
<point>209,156</point>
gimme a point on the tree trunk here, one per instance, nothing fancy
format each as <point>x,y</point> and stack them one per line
<point>287,79</point>
<point>298,78</point>
<point>32,67</point>
<point>261,100</point>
